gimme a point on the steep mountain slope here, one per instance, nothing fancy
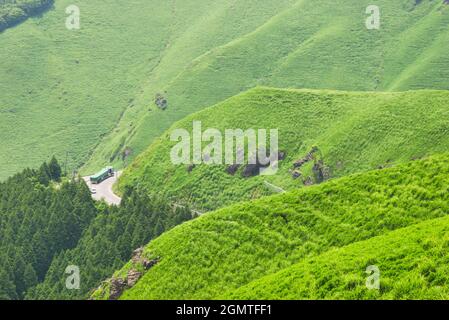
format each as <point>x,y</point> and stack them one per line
<point>352,131</point>
<point>89,92</point>
<point>413,264</point>
<point>310,44</point>
<point>64,90</point>
<point>234,246</point>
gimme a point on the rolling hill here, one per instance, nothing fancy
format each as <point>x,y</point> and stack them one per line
<point>63,91</point>
<point>89,95</point>
<point>322,45</point>
<point>351,131</point>
<point>412,264</point>
<point>227,249</point>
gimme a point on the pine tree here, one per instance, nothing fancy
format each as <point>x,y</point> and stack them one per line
<point>54,170</point>
<point>29,276</point>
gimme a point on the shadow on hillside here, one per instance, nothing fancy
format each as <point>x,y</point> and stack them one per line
<point>37,13</point>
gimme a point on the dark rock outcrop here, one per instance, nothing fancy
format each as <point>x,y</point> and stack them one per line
<point>282,155</point>
<point>296,174</point>
<point>133,277</point>
<point>308,181</point>
<point>117,287</point>
<point>232,169</point>
<point>148,264</point>
<point>251,170</point>
<point>161,101</point>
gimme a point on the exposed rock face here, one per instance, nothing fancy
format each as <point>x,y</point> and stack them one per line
<point>251,170</point>
<point>133,277</point>
<point>282,154</point>
<point>308,181</point>
<point>148,264</point>
<point>232,169</point>
<point>117,287</point>
<point>321,171</point>
<point>296,174</point>
<point>137,254</point>
<point>254,169</point>
<point>161,101</point>
<point>309,157</point>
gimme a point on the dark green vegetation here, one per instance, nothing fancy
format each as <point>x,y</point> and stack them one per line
<point>47,226</point>
<point>38,220</point>
<point>413,263</point>
<point>227,249</point>
<point>193,54</point>
<point>13,12</point>
<point>353,132</point>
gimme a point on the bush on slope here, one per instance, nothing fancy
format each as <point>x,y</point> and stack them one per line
<point>234,246</point>
<point>353,131</point>
<point>413,264</point>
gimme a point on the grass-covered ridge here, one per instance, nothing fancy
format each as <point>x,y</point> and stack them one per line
<point>303,44</point>
<point>227,249</point>
<point>65,90</point>
<point>413,264</point>
<point>353,131</point>
<point>89,92</point>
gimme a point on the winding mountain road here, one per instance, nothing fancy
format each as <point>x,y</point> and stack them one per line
<point>103,191</point>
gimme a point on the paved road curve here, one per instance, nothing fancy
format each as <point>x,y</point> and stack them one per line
<point>103,191</point>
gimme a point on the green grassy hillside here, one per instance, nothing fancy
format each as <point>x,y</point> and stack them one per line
<point>353,131</point>
<point>413,264</point>
<point>310,44</point>
<point>91,92</point>
<point>64,91</point>
<point>229,248</point>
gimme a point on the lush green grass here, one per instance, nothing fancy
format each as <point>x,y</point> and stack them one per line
<point>64,91</point>
<point>310,44</point>
<point>354,132</point>
<point>229,248</point>
<point>89,92</point>
<point>413,264</point>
